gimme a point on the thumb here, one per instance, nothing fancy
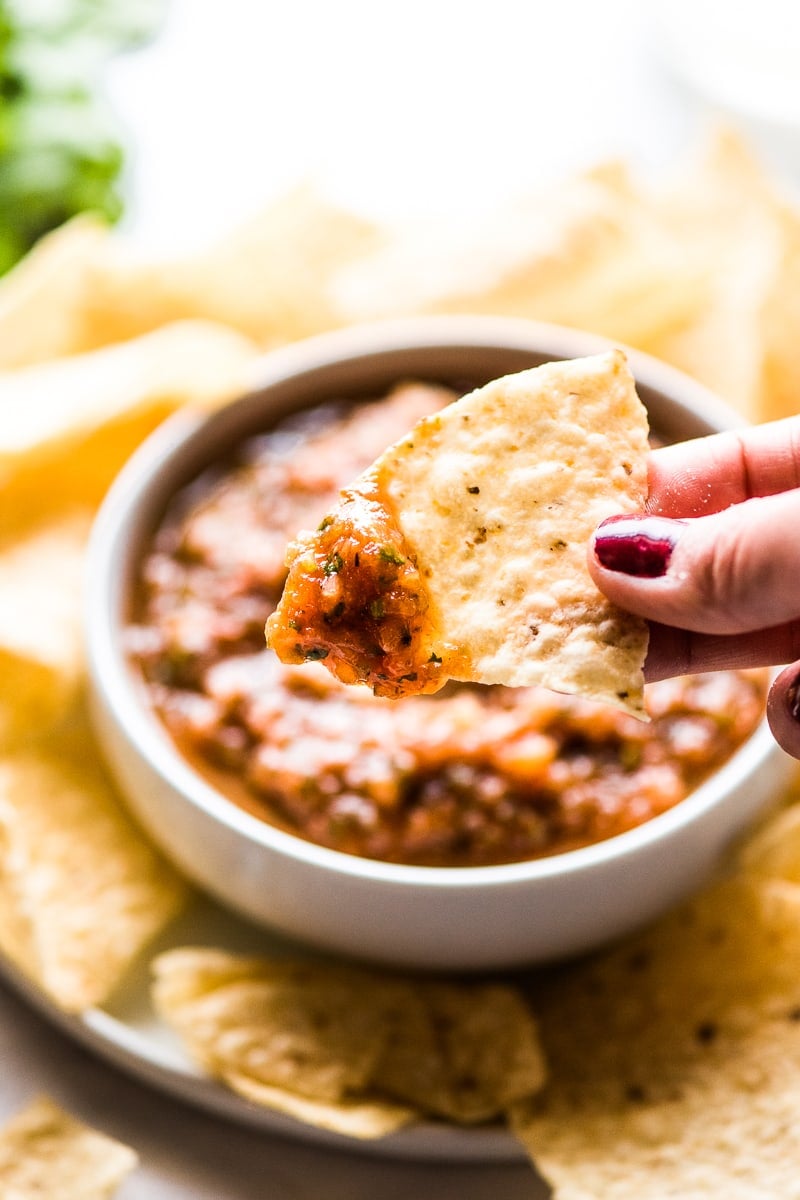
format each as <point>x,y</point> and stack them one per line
<point>728,573</point>
<point>783,709</point>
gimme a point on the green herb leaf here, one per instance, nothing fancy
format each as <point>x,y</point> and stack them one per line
<point>333,564</point>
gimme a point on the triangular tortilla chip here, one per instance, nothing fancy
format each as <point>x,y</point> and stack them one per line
<point>461,553</point>
<point>81,891</point>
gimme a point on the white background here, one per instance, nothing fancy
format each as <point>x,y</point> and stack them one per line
<point>431,106</point>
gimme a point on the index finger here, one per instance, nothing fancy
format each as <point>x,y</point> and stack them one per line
<point>682,652</point>
<point>707,475</point>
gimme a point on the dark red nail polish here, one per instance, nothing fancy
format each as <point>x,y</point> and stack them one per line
<point>793,700</point>
<point>636,545</point>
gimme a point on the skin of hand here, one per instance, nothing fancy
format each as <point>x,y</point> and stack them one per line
<point>713,563</point>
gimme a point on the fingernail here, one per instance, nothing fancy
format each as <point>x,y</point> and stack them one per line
<point>639,546</point>
<point>793,700</point>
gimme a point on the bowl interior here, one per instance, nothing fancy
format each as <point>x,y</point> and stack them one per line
<point>353,364</point>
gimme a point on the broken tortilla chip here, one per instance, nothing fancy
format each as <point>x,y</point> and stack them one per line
<point>45,1154</point>
<point>461,553</point>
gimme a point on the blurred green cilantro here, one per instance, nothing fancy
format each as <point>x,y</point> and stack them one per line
<point>61,151</point>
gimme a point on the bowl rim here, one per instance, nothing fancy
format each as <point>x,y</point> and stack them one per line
<point>116,688</point>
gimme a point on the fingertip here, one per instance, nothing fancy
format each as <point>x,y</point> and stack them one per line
<point>783,709</point>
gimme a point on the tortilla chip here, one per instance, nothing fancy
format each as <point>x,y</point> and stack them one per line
<point>462,1052</point>
<point>81,891</point>
<point>82,287</point>
<point>286,1024</point>
<point>675,1058</point>
<point>45,1154</point>
<point>43,299</point>
<point>67,426</point>
<point>298,1037</point>
<point>363,1119</point>
<point>780,327</point>
<point>494,500</point>
<point>725,216</point>
<point>591,252</point>
<point>270,277</point>
<point>774,850</point>
<point>352,1049</point>
<point>41,657</point>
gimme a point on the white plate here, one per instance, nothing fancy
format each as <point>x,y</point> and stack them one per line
<point>128,1033</point>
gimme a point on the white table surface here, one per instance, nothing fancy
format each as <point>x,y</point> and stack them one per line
<point>398,111</point>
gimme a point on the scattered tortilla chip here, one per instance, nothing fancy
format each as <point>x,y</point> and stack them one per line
<point>289,1024</point>
<point>463,1052</point>
<point>725,217</point>
<point>774,849</point>
<point>351,1049</point>
<point>67,426</point>
<point>41,655</point>
<point>83,287</point>
<point>591,252</point>
<point>363,1119</point>
<point>779,325</point>
<point>45,1154</point>
<point>43,299</point>
<point>81,891</point>
<point>270,277</point>
<point>461,553</point>
<point>675,1058</point>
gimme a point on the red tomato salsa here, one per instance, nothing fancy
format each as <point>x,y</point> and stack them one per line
<point>471,776</point>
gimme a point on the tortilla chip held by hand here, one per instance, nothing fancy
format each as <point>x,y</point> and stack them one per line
<point>461,553</point>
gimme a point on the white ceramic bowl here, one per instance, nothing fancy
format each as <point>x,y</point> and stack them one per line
<point>464,918</point>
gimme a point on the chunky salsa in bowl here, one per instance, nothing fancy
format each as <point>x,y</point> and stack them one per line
<point>290,795</point>
<point>472,777</point>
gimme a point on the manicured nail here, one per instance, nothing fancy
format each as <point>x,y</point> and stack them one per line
<point>636,545</point>
<point>793,700</point>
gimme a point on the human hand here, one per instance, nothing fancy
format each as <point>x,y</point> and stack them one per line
<point>714,563</point>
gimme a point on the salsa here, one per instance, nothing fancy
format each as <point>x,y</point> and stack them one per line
<point>471,776</point>
<point>355,598</point>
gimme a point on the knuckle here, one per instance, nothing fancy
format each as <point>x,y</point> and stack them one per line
<point>722,581</point>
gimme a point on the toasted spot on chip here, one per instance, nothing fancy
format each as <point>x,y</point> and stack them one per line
<point>81,890</point>
<point>346,1047</point>
<point>45,1154</point>
<point>462,519</point>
